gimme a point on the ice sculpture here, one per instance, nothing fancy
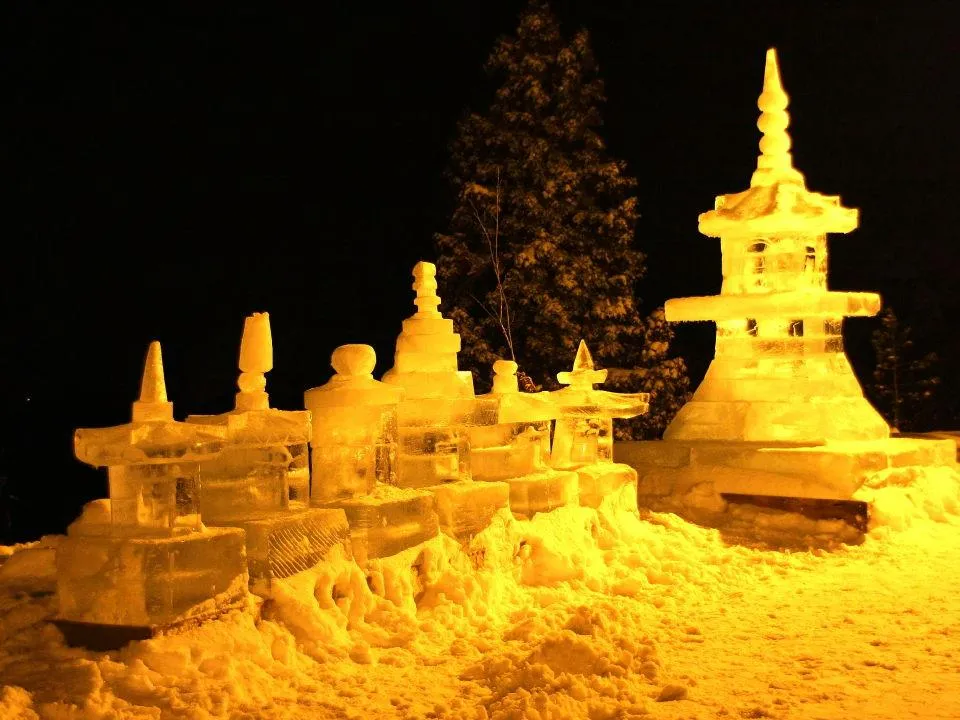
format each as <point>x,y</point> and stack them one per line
<point>583,436</point>
<point>779,373</point>
<point>780,413</point>
<point>437,407</point>
<point>511,442</point>
<point>143,559</point>
<point>260,480</point>
<point>354,450</point>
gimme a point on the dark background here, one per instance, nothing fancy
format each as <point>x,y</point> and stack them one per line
<point>169,174</point>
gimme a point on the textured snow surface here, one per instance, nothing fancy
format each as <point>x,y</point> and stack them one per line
<point>579,613</point>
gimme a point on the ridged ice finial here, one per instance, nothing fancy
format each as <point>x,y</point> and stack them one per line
<point>256,359</point>
<point>425,285</point>
<point>153,404</point>
<point>775,163</point>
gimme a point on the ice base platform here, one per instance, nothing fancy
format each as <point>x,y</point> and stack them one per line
<point>697,479</point>
<point>543,492</point>
<point>284,543</point>
<point>600,480</point>
<point>388,521</point>
<point>466,507</point>
<point>150,582</point>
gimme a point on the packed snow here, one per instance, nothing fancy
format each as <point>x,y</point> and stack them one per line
<point>578,613</point>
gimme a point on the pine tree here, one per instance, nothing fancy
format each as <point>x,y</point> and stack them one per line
<point>539,250</point>
<point>903,382</point>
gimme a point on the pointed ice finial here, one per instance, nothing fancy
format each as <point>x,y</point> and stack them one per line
<point>425,285</point>
<point>256,359</point>
<point>583,372</point>
<point>775,163</point>
<point>153,404</point>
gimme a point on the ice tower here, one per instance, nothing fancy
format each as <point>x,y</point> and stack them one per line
<point>143,560</point>
<point>260,480</point>
<point>779,420</point>
<point>779,373</point>
<point>437,407</point>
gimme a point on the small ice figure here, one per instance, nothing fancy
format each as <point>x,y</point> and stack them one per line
<point>354,441</point>
<point>153,462</point>
<point>143,559</point>
<point>584,428</point>
<point>515,439</point>
<point>263,466</point>
<point>260,481</point>
<point>510,441</point>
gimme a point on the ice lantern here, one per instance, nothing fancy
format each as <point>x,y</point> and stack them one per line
<point>152,462</point>
<point>142,560</point>
<point>354,442</point>
<point>584,429</point>
<point>263,467</point>
<point>779,373</point>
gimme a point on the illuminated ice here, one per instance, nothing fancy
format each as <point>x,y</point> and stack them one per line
<point>260,480</point>
<point>354,440</point>
<point>354,450</point>
<point>437,408</point>
<point>511,442</point>
<point>143,557</point>
<point>584,428</point>
<point>779,373</point>
<point>780,412</point>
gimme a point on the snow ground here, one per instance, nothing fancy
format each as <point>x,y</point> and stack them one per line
<point>577,614</point>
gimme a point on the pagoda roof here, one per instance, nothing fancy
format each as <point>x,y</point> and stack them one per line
<point>778,200</point>
<point>777,208</point>
<point>147,443</point>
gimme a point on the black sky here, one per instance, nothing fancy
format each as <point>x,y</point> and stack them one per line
<point>170,174</point>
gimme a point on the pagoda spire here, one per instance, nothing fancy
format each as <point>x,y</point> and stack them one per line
<point>153,404</point>
<point>775,163</point>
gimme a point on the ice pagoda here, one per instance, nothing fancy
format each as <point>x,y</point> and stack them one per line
<point>437,408</point>
<point>583,437</point>
<point>143,560</point>
<point>780,413</point>
<point>260,479</point>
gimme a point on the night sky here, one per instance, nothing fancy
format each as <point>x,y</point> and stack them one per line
<point>169,174</point>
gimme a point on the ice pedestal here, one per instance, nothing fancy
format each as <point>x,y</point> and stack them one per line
<point>510,443</point>
<point>600,480</point>
<point>543,492</point>
<point>150,582</point>
<point>388,521</point>
<point>695,479</point>
<point>281,544</point>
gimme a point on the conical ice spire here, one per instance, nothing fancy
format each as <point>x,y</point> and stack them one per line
<point>256,359</point>
<point>153,404</point>
<point>583,372</point>
<point>775,163</point>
